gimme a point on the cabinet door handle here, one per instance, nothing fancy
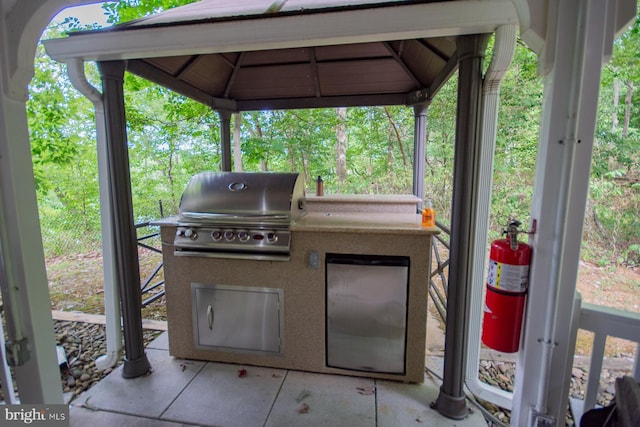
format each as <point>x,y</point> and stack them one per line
<point>210,316</point>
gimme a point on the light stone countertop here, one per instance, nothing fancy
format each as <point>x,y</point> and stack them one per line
<point>380,223</point>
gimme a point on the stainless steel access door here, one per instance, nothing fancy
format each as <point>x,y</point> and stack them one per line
<point>237,318</point>
<point>367,312</point>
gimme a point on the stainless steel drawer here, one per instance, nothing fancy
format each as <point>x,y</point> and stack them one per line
<point>237,318</point>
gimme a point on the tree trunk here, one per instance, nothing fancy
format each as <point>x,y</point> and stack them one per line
<point>341,145</point>
<point>396,134</point>
<point>628,104</point>
<point>256,132</point>
<point>237,151</point>
<point>174,199</point>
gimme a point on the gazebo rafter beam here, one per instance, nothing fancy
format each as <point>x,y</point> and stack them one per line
<point>400,62</point>
<point>437,52</point>
<point>314,71</point>
<point>186,66</point>
<point>145,70</point>
<point>234,74</point>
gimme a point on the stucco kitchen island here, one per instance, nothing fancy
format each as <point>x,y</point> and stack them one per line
<point>215,306</point>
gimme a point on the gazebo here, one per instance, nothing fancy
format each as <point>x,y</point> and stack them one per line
<point>308,54</point>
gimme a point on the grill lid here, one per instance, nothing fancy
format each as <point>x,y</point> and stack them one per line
<point>243,197</point>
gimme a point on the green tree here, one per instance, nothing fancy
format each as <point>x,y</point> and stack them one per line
<point>54,139</point>
<point>171,138</point>
<point>63,149</point>
<point>611,227</point>
<point>128,10</point>
<point>516,140</point>
<point>441,126</point>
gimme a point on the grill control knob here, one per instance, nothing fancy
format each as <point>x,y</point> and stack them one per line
<point>229,235</point>
<point>243,236</point>
<point>190,234</point>
<point>272,237</point>
<point>216,235</point>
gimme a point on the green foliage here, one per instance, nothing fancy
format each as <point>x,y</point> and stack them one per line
<point>614,200</point>
<point>54,139</point>
<point>62,133</point>
<point>375,151</point>
<point>632,255</point>
<point>516,141</point>
<point>439,150</point>
<point>304,141</point>
<point>127,10</point>
<point>172,138</point>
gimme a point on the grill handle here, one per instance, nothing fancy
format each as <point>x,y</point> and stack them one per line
<point>210,317</point>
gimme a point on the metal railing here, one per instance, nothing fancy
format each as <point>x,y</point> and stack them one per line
<point>147,287</point>
<point>438,280</point>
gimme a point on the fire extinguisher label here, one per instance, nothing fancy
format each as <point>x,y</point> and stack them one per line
<point>510,278</point>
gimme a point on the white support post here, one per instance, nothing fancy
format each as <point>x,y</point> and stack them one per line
<point>26,299</point>
<point>25,292</point>
<point>576,44</point>
<point>6,379</point>
<point>504,48</point>
<point>113,324</point>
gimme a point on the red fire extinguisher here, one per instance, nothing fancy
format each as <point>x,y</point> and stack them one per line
<point>507,283</point>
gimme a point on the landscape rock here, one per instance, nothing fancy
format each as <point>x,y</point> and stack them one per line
<point>83,344</point>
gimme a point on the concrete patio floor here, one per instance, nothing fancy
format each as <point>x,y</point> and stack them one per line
<point>185,392</point>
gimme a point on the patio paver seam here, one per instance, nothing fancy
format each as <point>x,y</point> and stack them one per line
<point>275,399</point>
<point>160,417</point>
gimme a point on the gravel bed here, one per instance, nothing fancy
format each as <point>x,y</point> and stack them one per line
<point>83,344</point>
<point>501,374</point>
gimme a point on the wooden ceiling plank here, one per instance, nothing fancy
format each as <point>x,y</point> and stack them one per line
<point>323,102</point>
<point>403,65</point>
<point>276,56</point>
<point>186,66</point>
<point>439,53</point>
<point>226,60</point>
<point>314,71</point>
<point>143,69</point>
<point>443,76</point>
<point>350,51</point>
<point>234,74</point>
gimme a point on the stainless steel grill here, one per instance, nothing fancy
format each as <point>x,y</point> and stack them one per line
<point>239,215</point>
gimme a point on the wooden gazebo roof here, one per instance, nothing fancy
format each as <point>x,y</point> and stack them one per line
<point>246,55</point>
